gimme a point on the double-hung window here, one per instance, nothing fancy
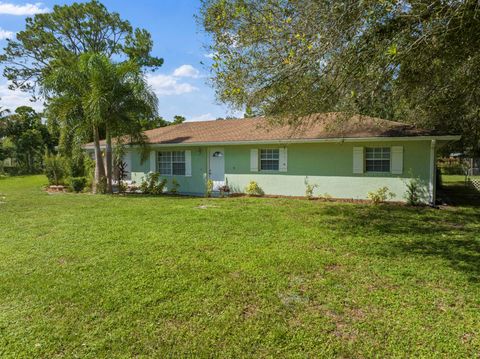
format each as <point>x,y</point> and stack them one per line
<point>171,163</point>
<point>377,159</point>
<point>269,159</point>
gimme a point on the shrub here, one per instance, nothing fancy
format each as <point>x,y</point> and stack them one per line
<point>326,196</point>
<point>152,184</point>
<point>380,195</point>
<point>175,186</point>
<point>309,188</point>
<point>415,192</point>
<point>78,183</point>
<point>209,188</point>
<point>253,189</point>
<point>102,185</point>
<point>122,187</point>
<point>159,187</point>
<point>54,166</point>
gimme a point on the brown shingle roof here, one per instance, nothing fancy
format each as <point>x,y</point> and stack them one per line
<point>316,126</point>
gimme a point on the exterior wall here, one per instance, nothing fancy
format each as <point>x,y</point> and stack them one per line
<point>328,165</point>
<point>194,184</point>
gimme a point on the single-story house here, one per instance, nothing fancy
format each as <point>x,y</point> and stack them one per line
<point>344,156</point>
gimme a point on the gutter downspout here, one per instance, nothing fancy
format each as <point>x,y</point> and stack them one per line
<point>432,184</point>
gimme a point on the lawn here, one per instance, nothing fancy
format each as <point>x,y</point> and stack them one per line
<point>110,276</point>
<point>457,192</point>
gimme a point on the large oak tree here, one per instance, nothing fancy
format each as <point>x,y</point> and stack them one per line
<point>416,61</point>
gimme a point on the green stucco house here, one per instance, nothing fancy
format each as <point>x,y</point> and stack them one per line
<point>345,156</point>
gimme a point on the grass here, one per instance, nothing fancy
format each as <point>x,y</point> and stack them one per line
<point>457,192</point>
<point>109,276</point>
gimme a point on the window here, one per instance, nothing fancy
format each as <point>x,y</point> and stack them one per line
<point>171,163</point>
<point>269,159</point>
<point>377,159</point>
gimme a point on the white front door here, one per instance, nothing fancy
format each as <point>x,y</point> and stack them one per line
<point>216,170</point>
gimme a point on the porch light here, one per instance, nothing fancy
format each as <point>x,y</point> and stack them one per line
<point>218,154</point>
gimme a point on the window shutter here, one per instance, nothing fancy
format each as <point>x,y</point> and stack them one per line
<point>397,160</point>
<point>153,161</point>
<point>358,160</point>
<point>188,163</point>
<point>282,166</point>
<point>254,160</point>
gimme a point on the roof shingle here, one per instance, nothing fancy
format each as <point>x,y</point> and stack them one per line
<point>315,126</point>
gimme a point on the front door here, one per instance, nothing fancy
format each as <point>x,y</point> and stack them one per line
<point>216,170</point>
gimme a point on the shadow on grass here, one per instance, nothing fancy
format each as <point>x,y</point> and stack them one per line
<point>395,231</point>
<point>399,220</point>
<point>459,194</point>
<point>462,254</point>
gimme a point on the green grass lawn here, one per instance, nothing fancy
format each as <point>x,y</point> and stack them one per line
<point>110,276</point>
<point>456,191</point>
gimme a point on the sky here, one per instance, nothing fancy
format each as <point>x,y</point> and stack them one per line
<point>181,84</point>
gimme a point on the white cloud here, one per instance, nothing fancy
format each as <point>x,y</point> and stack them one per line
<point>12,99</point>
<point>26,9</point>
<point>4,34</point>
<point>204,117</point>
<point>169,85</point>
<point>186,71</point>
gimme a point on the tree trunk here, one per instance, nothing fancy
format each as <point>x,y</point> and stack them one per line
<point>109,159</point>
<point>99,166</point>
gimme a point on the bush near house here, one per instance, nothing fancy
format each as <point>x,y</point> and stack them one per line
<point>54,168</point>
<point>78,183</point>
<point>253,189</point>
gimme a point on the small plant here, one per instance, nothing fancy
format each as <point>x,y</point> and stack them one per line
<point>122,187</point>
<point>54,169</point>
<point>209,189</point>
<point>175,186</point>
<point>326,196</point>
<point>224,190</point>
<point>414,192</point>
<point>309,188</point>
<point>102,185</point>
<point>122,175</point>
<point>152,184</point>
<point>380,195</point>
<point>159,187</point>
<point>253,189</point>
<point>78,183</point>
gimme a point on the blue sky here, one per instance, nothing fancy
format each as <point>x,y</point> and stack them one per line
<point>181,83</point>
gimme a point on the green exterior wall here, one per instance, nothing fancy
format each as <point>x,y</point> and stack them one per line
<point>193,185</point>
<point>328,165</point>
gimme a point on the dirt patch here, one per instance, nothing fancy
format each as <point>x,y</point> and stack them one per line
<point>333,267</point>
<point>62,261</point>
<point>249,311</point>
<point>467,338</point>
<point>206,206</point>
<point>56,189</point>
<point>291,299</point>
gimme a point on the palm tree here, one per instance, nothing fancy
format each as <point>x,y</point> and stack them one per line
<point>93,94</point>
<point>120,98</point>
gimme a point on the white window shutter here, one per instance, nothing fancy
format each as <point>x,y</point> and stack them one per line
<point>397,160</point>
<point>282,166</point>
<point>188,163</point>
<point>153,161</point>
<point>358,160</point>
<point>254,160</point>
